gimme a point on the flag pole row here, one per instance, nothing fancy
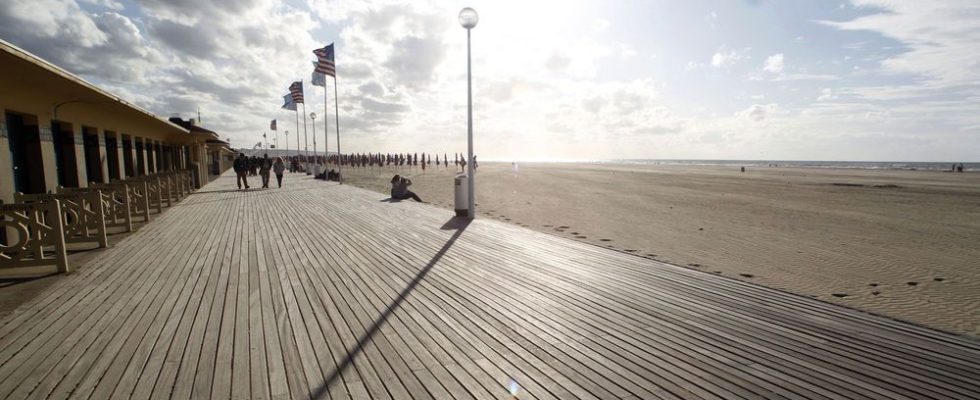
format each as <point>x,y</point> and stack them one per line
<point>322,67</point>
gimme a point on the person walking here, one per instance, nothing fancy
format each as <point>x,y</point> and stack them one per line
<point>279,167</point>
<point>241,170</point>
<point>265,164</point>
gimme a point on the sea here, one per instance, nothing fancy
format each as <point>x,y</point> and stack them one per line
<point>886,165</point>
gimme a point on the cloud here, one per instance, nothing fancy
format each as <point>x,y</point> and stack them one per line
<point>826,95</point>
<point>757,112</point>
<point>723,58</point>
<point>415,59</point>
<point>942,37</point>
<point>198,40</point>
<point>774,63</point>
<point>42,21</point>
<point>108,4</point>
<point>558,62</point>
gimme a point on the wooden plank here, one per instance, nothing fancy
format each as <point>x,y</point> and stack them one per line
<point>320,289</point>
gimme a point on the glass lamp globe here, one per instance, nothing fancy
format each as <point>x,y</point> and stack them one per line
<point>468,18</point>
<point>313,115</point>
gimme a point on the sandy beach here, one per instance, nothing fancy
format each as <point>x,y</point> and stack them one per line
<point>903,244</point>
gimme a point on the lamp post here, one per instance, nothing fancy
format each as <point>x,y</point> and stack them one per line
<point>315,164</point>
<point>468,19</point>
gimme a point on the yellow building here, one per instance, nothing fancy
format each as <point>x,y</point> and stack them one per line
<point>63,131</point>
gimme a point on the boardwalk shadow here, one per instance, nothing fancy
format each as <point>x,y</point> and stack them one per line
<point>459,224</point>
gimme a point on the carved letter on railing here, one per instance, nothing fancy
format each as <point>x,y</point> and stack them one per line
<point>37,243</point>
<point>83,215</point>
<point>138,199</point>
<point>115,203</point>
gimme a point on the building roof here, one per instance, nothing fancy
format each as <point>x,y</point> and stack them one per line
<point>191,126</point>
<point>21,69</point>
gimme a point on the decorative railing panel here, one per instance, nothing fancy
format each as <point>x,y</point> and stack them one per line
<point>151,184</point>
<point>30,240</point>
<point>82,215</point>
<point>166,189</point>
<point>115,204</point>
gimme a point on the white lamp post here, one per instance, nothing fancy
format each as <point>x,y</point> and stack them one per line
<point>468,19</point>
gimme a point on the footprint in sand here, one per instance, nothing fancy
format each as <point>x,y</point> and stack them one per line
<point>630,250</point>
<point>873,284</point>
<point>840,295</point>
<point>581,237</point>
<point>912,283</point>
<point>939,279</point>
<point>564,227</point>
<point>875,293</point>
<point>575,233</point>
<point>716,272</point>
<point>651,255</point>
<point>746,275</point>
<point>695,265</point>
<point>610,246</point>
<point>605,240</point>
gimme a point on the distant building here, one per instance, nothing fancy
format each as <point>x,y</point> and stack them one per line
<point>219,156</point>
<point>63,131</point>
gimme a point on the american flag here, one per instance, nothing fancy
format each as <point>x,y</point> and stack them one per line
<point>325,64</point>
<point>272,126</point>
<point>296,90</point>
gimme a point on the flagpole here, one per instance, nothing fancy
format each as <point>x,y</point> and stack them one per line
<point>296,110</point>
<point>326,128</point>
<point>306,144</point>
<point>336,115</point>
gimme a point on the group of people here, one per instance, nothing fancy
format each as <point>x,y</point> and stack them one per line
<point>245,166</point>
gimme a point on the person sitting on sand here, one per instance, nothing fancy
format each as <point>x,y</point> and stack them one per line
<point>399,189</point>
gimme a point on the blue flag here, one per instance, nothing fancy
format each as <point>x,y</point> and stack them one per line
<point>318,78</point>
<point>288,102</point>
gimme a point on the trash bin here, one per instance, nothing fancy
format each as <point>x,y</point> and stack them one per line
<point>460,186</point>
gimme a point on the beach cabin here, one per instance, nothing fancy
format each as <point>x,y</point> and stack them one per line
<point>59,130</point>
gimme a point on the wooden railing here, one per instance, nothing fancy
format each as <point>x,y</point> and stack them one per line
<point>38,226</point>
<point>40,235</point>
<point>139,206</point>
<point>115,205</point>
<point>82,215</point>
<point>150,186</point>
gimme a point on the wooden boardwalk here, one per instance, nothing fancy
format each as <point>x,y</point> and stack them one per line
<point>321,290</point>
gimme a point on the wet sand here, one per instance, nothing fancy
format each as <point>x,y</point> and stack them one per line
<point>905,244</point>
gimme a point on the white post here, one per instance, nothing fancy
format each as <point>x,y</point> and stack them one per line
<point>336,114</point>
<point>471,212</point>
<point>306,144</point>
<point>326,128</point>
<point>313,165</point>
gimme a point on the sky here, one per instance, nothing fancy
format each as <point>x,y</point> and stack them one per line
<point>862,80</point>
